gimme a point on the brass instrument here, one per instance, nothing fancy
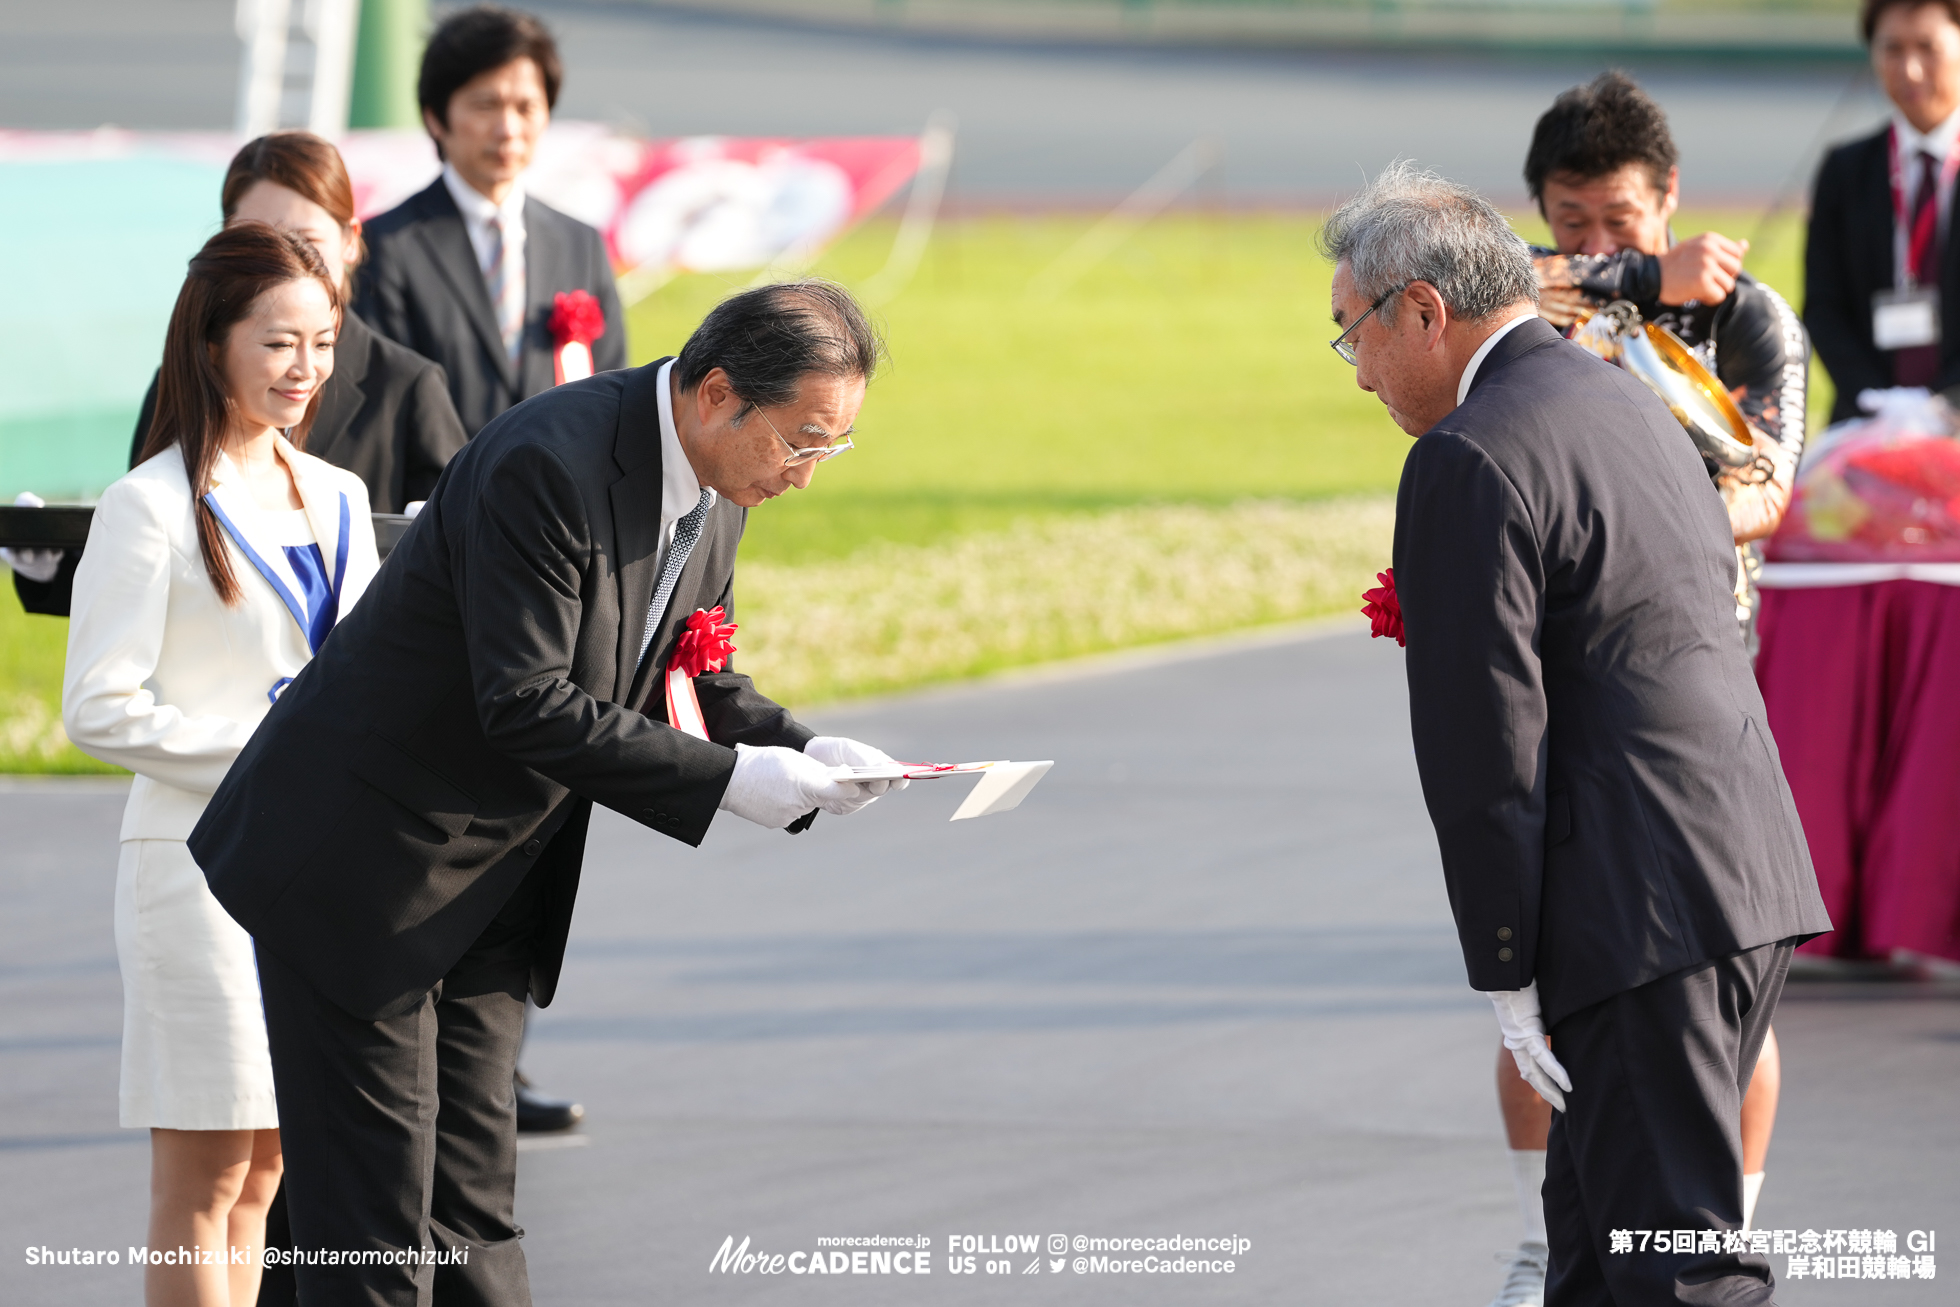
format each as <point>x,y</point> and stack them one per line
<point>1658,357</point>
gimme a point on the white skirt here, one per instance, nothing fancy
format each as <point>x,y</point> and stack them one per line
<point>194,1051</point>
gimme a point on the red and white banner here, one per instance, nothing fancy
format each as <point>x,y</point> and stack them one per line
<point>695,204</point>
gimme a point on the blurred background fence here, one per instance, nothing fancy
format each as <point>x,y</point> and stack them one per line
<point>1747,28</point>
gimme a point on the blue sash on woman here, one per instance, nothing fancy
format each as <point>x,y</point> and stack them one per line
<point>318,607</point>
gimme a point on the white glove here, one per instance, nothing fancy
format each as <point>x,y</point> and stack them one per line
<point>773,786</point>
<point>836,751</point>
<point>1524,1035</point>
<point>34,564</point>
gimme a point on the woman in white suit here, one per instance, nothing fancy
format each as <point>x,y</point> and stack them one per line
<point>213,573</point>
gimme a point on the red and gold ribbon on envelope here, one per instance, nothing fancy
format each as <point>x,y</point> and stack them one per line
<point>703,647</point>
<point>576,321</point>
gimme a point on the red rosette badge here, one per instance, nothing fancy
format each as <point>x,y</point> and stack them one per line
<point>1384,609</point>
<point>703,647</point>
<point>576,321</point>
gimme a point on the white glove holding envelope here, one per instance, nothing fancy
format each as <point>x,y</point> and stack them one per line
<point>1524,1034</point>
<point>836,751</point>
<point>773,786</point>
<point>41,565</point>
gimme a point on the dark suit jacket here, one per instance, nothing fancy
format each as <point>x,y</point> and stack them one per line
<point>1593,749</point>
<point>458,725</point>
<point>1848,257</point>
<point>421,286</point>
<point>384,415</point>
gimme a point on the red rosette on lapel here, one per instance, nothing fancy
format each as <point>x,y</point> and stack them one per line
<point>703,647</point>
<point>576,321</point>
<point>1384,609</point>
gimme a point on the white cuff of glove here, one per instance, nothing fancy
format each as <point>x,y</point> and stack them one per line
<point>41,565</point>
<point>773,786</point>
<point>1524,1034</point>
<point>35,564</point>
<point>836,751</point>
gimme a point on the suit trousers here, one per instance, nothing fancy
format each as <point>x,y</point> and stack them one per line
<point>401,1134</point>
<point>1651,1138</point>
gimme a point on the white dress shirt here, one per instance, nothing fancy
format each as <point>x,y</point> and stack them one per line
<point>1938,142</point>
<point>477,210</point>
<point>680,489</point>
<point>1483,351</point>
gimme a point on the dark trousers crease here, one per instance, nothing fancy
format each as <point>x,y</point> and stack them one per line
<point>402,1133</point>
<point>1651,1138</point>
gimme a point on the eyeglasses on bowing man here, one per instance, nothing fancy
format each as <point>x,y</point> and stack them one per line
<point>801,454</point>
<point>1340,344</point>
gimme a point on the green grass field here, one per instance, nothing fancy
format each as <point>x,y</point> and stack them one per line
<point>1186,373</point>
<point>1190,366</point>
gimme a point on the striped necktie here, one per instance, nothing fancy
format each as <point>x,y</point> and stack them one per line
<point>686,532</point>
<point>505,277</point>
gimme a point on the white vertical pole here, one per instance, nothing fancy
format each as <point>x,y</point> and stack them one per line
<point>333,25</point>
<point>262,72</point>
<point>921,211</point>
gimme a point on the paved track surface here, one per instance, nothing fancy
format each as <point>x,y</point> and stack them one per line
<point>1202,983</point>
<point>1039,124</point>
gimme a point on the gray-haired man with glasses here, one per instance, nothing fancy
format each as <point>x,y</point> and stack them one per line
<point>403,836</point>
<point>1623,858</point>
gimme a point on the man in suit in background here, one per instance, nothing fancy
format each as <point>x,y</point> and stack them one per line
<point>1623,857</point>
<point>403,835</point>
<point>1881,287</point>
<point>465,271</point>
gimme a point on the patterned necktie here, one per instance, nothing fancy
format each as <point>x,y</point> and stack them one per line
<point>686,532</point>
<point>506,281</point>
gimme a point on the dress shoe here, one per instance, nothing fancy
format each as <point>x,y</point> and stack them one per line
<point>537,1114</point>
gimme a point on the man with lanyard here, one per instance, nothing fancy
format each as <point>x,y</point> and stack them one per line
<point>1879,299</point>
<point>1603,169</point>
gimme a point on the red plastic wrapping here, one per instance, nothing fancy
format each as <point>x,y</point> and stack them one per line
<point>1879,489</point>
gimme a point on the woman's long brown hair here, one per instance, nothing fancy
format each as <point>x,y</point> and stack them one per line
<point>305,165</point>
<point>194,404</point>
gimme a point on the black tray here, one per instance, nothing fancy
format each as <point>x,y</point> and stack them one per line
<point>65,526</point>
<point>59,526</point>
<point>389,528</point>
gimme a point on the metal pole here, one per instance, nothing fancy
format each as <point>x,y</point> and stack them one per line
<point>261,27</point>
<point>331,25</point>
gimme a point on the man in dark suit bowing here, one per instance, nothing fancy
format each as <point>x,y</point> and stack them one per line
<point>1622,854</point>
<point>403,834</point>
<point>466,271</point>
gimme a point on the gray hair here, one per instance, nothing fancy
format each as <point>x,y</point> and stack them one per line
<point>1411,225</point>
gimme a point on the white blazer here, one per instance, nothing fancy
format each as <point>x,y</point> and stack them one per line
<point>163,677</point>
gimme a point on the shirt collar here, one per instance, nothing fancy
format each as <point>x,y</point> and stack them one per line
<point>1938,142</point>
<point>479,208</point>
<point>1483,351</point>
<point>680,489</point>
